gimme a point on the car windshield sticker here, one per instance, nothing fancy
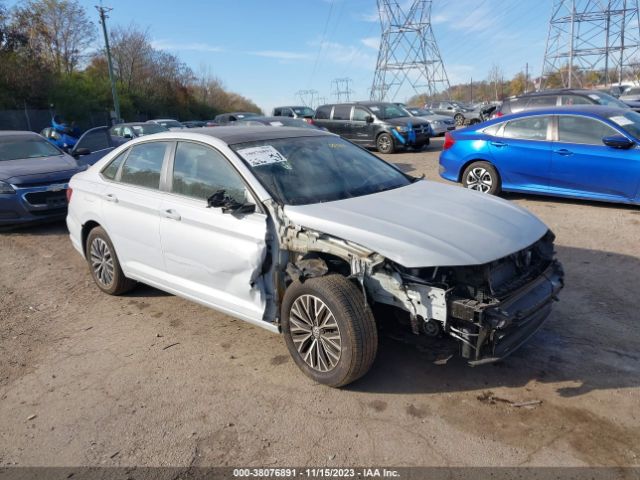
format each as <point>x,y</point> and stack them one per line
<point>276,124</point>
<point>594,97</point>
<point>374,109</point>
<point>264,155</point>
<point>622,121</point>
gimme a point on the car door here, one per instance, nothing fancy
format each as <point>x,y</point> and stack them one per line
<point>522,152</point>
<point>131,202</point>
<point>340,121</point>
<point>97,142</point>
<point>212,256</point>
<point>360,131</point>
<point>582,165</point>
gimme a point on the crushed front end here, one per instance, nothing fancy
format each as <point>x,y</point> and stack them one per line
<point>490,309</point>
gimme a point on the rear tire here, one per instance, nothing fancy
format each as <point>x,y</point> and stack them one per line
<point>329,329</point>
<point>482,177</point>
<point>385,144</point>
<point>459,119</point>
<point>104,265</point>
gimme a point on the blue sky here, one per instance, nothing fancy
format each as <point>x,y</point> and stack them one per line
<point>269,49</point>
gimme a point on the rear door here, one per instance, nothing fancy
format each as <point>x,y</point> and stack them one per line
<point>522,152</point>
<point>212,256</point>
<point>131,208</point>
<point>582,165</point>
<point>359,131</point>
<point>341,120</point>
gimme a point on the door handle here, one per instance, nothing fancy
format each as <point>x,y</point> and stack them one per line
<point>499,144</point>
<point>564,152</point>
<point>110,197</point>
<point>172,214</point>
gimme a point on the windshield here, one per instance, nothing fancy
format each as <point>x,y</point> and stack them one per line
<point>608,100</point>
<point>148,129</point>
<point>305,170</point>
<point>420,112</point>
<point>629,121</point>
<point>19,147</point>
<point>304,111</point>
<point>385,111</point>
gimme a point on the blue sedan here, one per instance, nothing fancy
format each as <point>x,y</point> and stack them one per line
<point>590,152</point>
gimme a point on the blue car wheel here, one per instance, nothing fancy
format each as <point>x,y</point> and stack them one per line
<point>482,177</point>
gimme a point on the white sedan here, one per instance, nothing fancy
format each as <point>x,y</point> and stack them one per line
<point>303,233</point>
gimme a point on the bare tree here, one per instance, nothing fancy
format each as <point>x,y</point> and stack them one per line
<point>57,30</point>
<point>495,78</point>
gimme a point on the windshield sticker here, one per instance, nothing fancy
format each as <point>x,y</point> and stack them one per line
<point>264,155</point>
<point>594,97</point>
<point>276,124</point>
<point>622,121</point>
<point>374,109</point>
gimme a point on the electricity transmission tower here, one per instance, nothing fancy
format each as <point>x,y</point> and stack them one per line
<point>591,37</point>
<point>409,53</point>
<point>341,89</point>
<point>308,98</point>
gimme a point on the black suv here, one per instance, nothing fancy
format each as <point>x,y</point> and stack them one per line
<point>384,126</point>
<point>557,98</point>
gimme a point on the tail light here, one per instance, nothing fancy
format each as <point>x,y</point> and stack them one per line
<point>498,114</point>
<point>448,141</point>
<point>69,193</point>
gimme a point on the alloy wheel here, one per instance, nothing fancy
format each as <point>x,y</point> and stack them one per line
<point>102,261</point>
<point>315,333</point>
<point>479,179</point>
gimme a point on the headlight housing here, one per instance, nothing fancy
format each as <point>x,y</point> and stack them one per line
<point>5,188</point>
<point>402,129</point>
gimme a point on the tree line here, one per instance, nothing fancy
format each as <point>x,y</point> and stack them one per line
<point>51,53</point>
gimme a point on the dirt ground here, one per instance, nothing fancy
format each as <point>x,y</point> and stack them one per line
<point>151,379</point>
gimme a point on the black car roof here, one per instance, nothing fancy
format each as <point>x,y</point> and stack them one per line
<point>233,135</point>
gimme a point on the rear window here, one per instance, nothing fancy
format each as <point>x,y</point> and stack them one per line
<point>323,113</point>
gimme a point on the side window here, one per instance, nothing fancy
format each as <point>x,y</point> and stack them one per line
<point>200,171</point>
<point>277,112</point>
<point>532,128</point>
<point>574,100</point>
<point>94,141</point>
<point>144,164</point>
<point>493,129</point>
<point>542,101</point>
<point>289,113</point>
<point>112,169</point>
<point>360,114</point>
<point>127,131</point>
<point>323,113</point>
<point>342,112</point>
<point>582,130</point>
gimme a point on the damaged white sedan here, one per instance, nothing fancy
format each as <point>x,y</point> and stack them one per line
<point>303,233</point>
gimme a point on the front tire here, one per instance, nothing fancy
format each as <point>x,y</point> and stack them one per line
<point>104,265</point>
<point>459,119</point>
<point>482,177</point>
<point>329,330</point>
<point>385,144</point>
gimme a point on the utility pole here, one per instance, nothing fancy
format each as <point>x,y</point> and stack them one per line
<point>471,101</point>
<point>114,91</point>
<point>526,78</point>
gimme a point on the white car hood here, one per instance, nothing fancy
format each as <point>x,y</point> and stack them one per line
<point>426,224</point>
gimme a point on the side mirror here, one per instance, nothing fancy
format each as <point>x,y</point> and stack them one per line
<point>369,119</point>
<point>80,152</point>
<point>618,141</point>
<point>220,199</point>
<point>127,135</point>
<point>449,108</point>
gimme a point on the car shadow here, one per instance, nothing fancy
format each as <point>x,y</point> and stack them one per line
<point>568,201</point>
<point>44,227</point>
<point>588,343</point>
<point>405,167</point>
